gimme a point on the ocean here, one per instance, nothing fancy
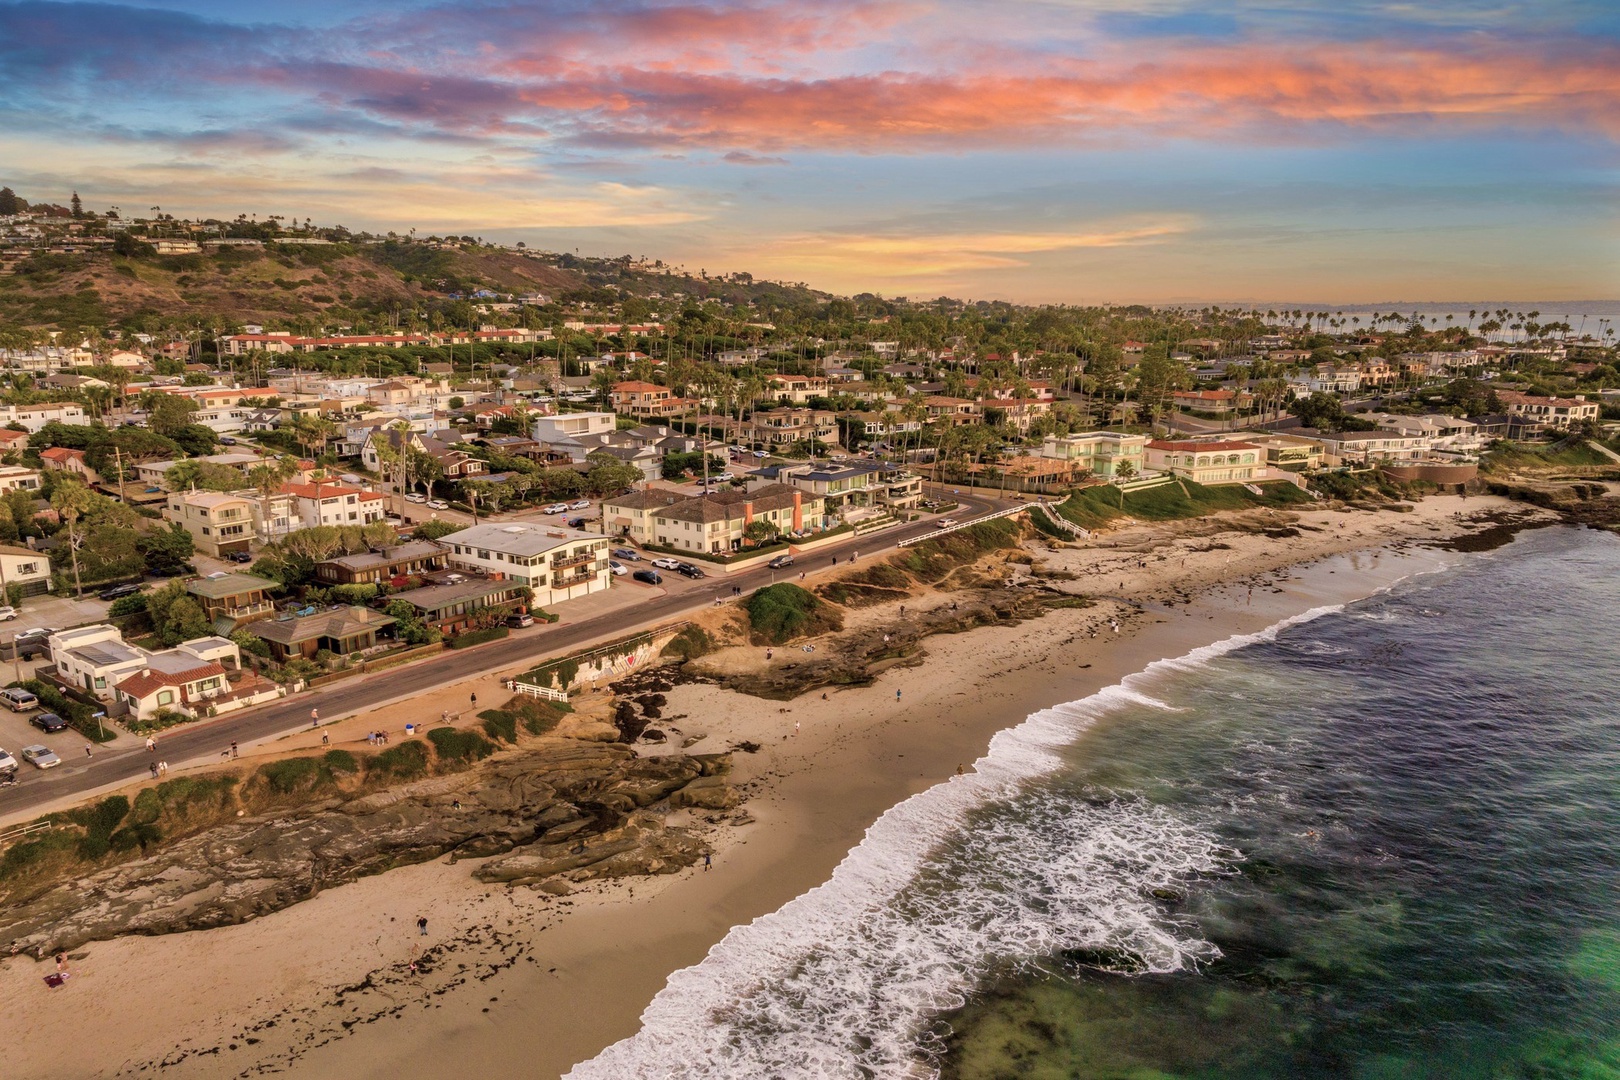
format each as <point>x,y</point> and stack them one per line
<point>1374,841</point>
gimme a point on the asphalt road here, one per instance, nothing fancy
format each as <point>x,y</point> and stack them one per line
<point>78,774</point>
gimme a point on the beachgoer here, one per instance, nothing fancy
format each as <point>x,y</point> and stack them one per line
<point>234,751</point>
<point>455,804</point>
<point>708,860</point>
<point>835,560</point>
<point>959,770</point>
<point>314,718</point>
<point>61,962</point>
<point>87,750</point>
<point>897,696</point>
<point>153,766</point>
<point>151,744</point>
<point>421,925</point>
<point>795,727</point>
<point>902,611</point>
<point>885,639</point>
<point>163,768</point>
<point>767,654</point>
<point>801,575</point>
<point>326,739</point>
<point>474,701</point>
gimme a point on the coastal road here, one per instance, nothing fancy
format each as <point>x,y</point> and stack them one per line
<point>108,766</point>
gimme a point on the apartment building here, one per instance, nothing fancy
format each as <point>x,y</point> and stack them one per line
<point>558,564</point>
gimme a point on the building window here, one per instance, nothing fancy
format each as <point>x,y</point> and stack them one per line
<point>165,697</point>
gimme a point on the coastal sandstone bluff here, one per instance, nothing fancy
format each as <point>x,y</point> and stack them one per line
<point>562,812</point>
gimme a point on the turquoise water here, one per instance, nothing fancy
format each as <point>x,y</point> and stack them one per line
<point>1381,842</point>
<point>1420,800</point>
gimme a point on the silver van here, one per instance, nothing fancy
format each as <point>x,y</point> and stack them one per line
<point>18,699</point>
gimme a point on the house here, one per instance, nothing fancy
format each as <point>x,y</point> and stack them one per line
<point>784,427</point>
<point>1212,461</point>
<point>796,389</point>
<point>26,568</point>
<point>219,522</point>
<point>647,399</point>
<point>644,458</point>
<point>881,425</point>
<point>718,523</point>
<point>631,515</point>
<point>389,564</point>
<point>12,440</point>
<point>341,630</point>
<point>1290,453</point>
<point>550,429</point>
<point>1350,448</point>
<point>233,599</point>
<point>454,462</point>
<point>952,410</point>
<point>155,474</point>
<point>18,478</point>
<point>454,607</point>
<point>1556,412</point>
<point>95,658</point>
<point>192,678</point>
<point>557,564</point>
<point>328,503</point>
<point>843,486</point>
<point>1213,402</point>
<point>1106,454</point>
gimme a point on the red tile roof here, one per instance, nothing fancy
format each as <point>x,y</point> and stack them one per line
<point>147,681</point>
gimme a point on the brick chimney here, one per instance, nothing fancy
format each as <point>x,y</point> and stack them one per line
<point>748,514</point>
<point>798,511</point>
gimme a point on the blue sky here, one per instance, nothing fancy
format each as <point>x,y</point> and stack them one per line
<point>1046,150</point>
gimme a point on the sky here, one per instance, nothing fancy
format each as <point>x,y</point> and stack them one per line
<point>1041,151</point>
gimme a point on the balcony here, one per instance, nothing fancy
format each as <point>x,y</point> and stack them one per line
<point>567,581</point>
<point>573,561</point>
<point>240,611</point>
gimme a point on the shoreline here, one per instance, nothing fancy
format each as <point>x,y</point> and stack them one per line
<point>568,976</point>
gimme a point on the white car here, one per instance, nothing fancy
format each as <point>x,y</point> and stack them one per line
<point>617,568</point>
<point>40,757</point>
<point>761,454</point>
<point>416,497</point>
<point>724,477</point>
<point>556,508</point>
<point>7,613</point>
<point>8,764</point>
<point>583,504</point>
<point>438,504</point>
<point>666,563</point>
<point>945,523</point>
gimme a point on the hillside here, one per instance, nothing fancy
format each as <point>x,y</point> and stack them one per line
<point>286,285</point>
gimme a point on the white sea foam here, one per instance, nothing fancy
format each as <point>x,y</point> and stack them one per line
<point>842,981</point>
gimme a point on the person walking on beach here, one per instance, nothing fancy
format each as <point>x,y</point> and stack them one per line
<point>708,860</point>
<point>421,925</point>
<point>897,695</point>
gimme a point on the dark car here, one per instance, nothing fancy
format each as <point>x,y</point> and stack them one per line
<point>626,554</point>
<point>780,561</point>
<point>651,577</point>
<point>239,556</point>
<point>576,523</point>
<point>119,591</point>
<point>686,569</point>
<point>48,722</point>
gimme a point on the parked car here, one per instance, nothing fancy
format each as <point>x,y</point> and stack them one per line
<point>40,757</point>
<point>48,722</point>
<point>416,497</point>
<point>651,577</point>
<point>626,554</point>
<point>8,764</point>
<point>686,569</point>
<point>438,504</point>
<point>780,562</point>
<point>18,699</point>
<point>761,454</point>
<point>617,569</point>
<point>518,620</point>
<point>119,591</point>
<point>725,477</point>
<point>226,440</point>
<point>576,523</point>
<point>556,508</point>
<point>666,563</point>
<point>583,504</point>
<point>240,556</point>
<point>7,613</point>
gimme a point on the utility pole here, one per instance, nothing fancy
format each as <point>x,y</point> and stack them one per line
<point>123,496</point>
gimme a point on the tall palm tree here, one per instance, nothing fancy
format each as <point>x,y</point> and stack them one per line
<point>72,501</point>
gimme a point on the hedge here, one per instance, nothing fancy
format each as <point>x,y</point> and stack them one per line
<point>458,746</point>
<point>81,717</point>
<point>406,761</point>
<point>778,613</point>
<point>478,637</point>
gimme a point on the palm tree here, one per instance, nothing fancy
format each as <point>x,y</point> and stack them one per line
<point>267,477</point>
<point>72,501</point>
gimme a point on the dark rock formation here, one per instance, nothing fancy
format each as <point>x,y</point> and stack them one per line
<point>566,806</point>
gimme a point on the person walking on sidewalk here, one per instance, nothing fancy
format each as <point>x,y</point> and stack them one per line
<point>314,718</point>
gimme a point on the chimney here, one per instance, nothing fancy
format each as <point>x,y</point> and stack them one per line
<point>748,514</point>
<point>798,511</point>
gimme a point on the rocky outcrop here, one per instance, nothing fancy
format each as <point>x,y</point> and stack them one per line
<point>562,808</point>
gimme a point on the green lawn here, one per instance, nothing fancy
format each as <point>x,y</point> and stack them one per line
<point>1093,507</point>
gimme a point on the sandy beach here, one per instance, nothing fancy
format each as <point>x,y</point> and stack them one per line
<point>517,982</point>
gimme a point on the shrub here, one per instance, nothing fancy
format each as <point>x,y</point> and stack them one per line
<point>559,674</point>
<point>80,716</point>
<point>499,724</point>
<point>291,776</point>
<point>340,761</point>
<point>455,746</point>
<point>406,761</point>
<point>127,605</point>
<point>779,613</point>
<point>690,643</point>
<point>478,637</point>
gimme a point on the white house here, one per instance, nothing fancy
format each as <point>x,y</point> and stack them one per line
<point>26,568</point>
<point>558,564</point>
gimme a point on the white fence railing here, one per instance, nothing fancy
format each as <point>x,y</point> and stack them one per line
<point>533,690</point>
<point>936,533</point>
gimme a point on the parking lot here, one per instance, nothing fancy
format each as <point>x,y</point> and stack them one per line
<point>16,732</point>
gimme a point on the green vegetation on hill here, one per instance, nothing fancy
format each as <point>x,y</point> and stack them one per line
<point>1525,457</point>
<point>779,613</point>
<point>1094,507</point>
<point>931,560</point>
